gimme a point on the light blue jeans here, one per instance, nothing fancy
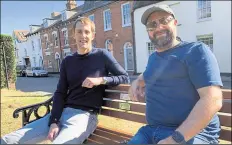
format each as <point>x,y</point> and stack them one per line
<point>75,126</point>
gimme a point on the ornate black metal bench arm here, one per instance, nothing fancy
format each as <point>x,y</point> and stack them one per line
<point>28,110</point>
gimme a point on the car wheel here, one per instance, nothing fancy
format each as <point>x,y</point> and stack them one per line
<point>34,75</point>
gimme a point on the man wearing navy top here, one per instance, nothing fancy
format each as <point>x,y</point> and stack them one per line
<point>78,97</point>
<point>181,85</point>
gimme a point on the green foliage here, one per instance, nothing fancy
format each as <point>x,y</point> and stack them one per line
<point>6,42</point>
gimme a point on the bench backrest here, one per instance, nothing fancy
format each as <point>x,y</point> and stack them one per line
<point>117,104</point>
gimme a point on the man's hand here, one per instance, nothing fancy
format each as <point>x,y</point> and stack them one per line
<point>53,132</point>
<point>136,91</point>
<point>90,82</point>
<point>167,140</point>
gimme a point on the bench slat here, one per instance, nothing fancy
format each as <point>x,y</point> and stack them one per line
<point>99,139</point>
<point>225,134</point>
<point>104,135</point>
<point>226,108</point>
<point>133,107</point>
<point>121,87</point>
<point>124,115</point>
<point>226,93</point>
<point>116,136</point>
<point>112,95</point>
<point>225,120</point>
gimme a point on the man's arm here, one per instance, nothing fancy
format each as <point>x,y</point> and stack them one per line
<point>209,104</point>
<point>204,74</point>
<point>136,91</point>
<point>59,96</point>
<point>119,75</point>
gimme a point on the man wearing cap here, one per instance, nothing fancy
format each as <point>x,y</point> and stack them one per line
<point>182,85</point>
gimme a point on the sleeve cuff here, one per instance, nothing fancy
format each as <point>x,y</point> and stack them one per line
<point>108,80</point>
<point>52,120</point>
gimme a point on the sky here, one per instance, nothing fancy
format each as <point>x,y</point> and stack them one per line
<point>18,15</point>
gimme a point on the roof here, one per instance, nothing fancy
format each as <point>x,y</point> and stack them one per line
<point>78,11</point>
<point>91,5</point>
<point>20,35</point>
<point>41,26</point>
<point>139,4</point>
<point>29,34</point>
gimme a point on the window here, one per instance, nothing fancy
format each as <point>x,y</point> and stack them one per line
<point>204,9</point>
<point>91,17</point>
<point>55,39</point>
<point>65,34</point>
<point>207,39</point>
<point>33,45</point>
<point>107,20</point>
<point>150,48</point>
<point>126,17</point>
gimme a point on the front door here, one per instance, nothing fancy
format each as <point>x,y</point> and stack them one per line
<point>129,63</point>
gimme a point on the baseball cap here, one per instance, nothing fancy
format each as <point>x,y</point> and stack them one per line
<point>148,12</point>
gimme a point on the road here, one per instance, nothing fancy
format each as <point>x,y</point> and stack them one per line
<point>47,85</point>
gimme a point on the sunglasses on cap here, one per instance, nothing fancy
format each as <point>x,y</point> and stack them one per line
<point>154,24</point>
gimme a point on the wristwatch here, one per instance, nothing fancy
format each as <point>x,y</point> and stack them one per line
<point>178,137</point>
<point>104,80</point>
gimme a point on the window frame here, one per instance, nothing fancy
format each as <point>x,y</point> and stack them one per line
<point>208,37</point>
<point>104,16</point>
<point>200,13</point>
<point>122,15</point>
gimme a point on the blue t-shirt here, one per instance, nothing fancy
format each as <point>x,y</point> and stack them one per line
<point>172,78</point>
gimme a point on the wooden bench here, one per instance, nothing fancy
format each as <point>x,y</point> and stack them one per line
<point>120,109</point>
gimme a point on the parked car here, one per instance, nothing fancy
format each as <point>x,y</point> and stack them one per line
<point>21,70</point>
<point>36,72</point>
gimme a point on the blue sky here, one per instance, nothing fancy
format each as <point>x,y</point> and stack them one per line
<point>18,15</point>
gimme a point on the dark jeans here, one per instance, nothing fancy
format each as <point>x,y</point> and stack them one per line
<point>152,135</point>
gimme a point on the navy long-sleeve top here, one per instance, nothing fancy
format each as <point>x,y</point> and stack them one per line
<point>74,70</point>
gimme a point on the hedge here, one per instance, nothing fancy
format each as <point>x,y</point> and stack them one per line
<point>6,41</point>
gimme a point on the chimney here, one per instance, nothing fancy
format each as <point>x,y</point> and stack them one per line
<point>71,4</point>
<point>54,14</point>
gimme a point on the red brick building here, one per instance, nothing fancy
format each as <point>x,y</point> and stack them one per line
<point>113,31</point>
<point>113,26</point>
<point>57,36</point>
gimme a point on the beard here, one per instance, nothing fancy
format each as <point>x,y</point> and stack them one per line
<point>162,42</point>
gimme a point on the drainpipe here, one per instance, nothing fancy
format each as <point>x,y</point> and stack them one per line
<point>61,55</point>
<point>134,45</point>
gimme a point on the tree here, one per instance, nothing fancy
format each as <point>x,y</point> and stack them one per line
<point>6,44</point>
